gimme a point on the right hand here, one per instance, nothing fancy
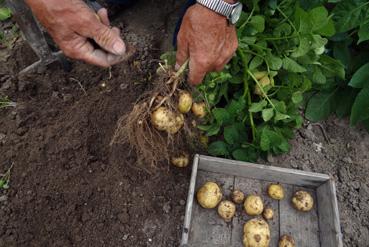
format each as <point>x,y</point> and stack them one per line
<point>72,23</point>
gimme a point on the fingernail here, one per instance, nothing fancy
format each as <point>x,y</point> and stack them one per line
<point>119,48</point>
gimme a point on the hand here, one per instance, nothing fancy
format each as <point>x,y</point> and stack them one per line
<point>72,23</point>
<point>207,40</point>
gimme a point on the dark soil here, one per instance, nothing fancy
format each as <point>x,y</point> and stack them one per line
<point>70,188</point>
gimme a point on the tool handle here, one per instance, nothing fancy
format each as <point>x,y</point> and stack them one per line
<point>94,5</point>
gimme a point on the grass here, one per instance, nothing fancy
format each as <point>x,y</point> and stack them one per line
<point>5,102</point>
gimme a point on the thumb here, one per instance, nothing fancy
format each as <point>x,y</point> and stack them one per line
<point>109,39</point>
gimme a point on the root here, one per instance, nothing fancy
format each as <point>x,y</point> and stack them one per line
<point>135,128</point>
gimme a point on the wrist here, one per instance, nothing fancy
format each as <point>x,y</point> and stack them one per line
<point>230,1</point>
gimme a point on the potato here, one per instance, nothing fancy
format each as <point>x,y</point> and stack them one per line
<point>276,191</point>
<point>226,210</point>
<point>209,195</point>
<point>265,81</point>
<point>199,109</point>
<point>238,196</point>
<point>286,241</point>
<point>303,201</point>
<point>253,205</point>
<point>204,140</point>
<point>184,102</point>
<point>180,161</point>
<point>268,213</point>
<point>178,124</point>
<point>260,74</point>
<point>166,120</point>
<point>256,233</point>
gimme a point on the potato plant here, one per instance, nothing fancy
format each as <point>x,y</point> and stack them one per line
<point>254,103</point>
<point>348,96</point>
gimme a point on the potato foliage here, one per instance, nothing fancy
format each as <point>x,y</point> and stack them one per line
<point>254,103</point>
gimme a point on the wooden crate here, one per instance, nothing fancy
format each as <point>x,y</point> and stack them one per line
<point>203,227</point>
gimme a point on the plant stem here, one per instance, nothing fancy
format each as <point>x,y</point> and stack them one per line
<point>247,94</point>
<point>261,88</point>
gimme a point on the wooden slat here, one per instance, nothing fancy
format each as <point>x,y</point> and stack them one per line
<point>189,204</point>
<point>273,224</point>
<point>251,186</point>
<point>207,228</point>
<point>329,221</point>
<point>262,172</point>
<point>302,226</point>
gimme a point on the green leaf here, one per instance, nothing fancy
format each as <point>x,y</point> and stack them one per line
<point>303,47</point>
<point>5,14</point>
<point>269,139</point>
<point>360,109</point>
<point>292,66</point>
<point>169,57</point>
<point>274,62</point>
<point>258,22</point>
<point>350,14</point>
<point>267,114</point>
<point>280,116</point>
<point>361,77</point>
<point>218,148</point>
<point>2,182</point>
<point>245,154</point>
<point>297,97</point>
<point>332,67</point>
<point>363,33</point>
<point>231,135</point>
<point>256,62</point>
<point>318,76</point>
<point>221,115</point>
<point>319,106</point>
<point>259,106</point>
<point>345,98</point>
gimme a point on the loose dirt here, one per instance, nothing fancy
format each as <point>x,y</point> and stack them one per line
<point>70,188</point>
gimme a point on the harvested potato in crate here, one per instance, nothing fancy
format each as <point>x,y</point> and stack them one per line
<point>204,227</point>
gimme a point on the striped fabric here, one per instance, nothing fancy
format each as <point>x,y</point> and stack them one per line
<point>219,6</point>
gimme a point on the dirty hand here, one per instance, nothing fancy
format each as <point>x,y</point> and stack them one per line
<point>207,40</point>
<point>72,23</point>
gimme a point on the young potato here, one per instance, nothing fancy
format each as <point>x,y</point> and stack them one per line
<point>199,109</point>
<point>268,213</point>
<point>238,196</point>
<point>184,102</point>
<point>256,233</point>
<point>180,160</point>
<point>303,201</point>
<point>286,241</point>
<point>226,210</point>
<point>260,74</point>
<point>276,191</point>
<point>253,205</point>
<point>166,120</point>
<point>209,195</point>
<point>263,82</point>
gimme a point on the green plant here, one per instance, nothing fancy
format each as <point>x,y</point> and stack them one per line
<point>5,12</point>
<point>347,96</point>
<point>5,102</point>
<point>254,103</point>
<point>5,179</point>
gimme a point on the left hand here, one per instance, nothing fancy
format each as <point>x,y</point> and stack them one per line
<point>207,40</point>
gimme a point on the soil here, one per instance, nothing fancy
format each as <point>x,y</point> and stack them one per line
<point>70,188</point>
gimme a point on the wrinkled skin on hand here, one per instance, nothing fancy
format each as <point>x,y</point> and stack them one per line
<point>207,40</point>
<point>72,23</point>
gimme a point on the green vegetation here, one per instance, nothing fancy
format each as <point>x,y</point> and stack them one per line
<point>255,102</point>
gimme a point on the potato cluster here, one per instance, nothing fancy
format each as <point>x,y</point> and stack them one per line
<point>256,231</point>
